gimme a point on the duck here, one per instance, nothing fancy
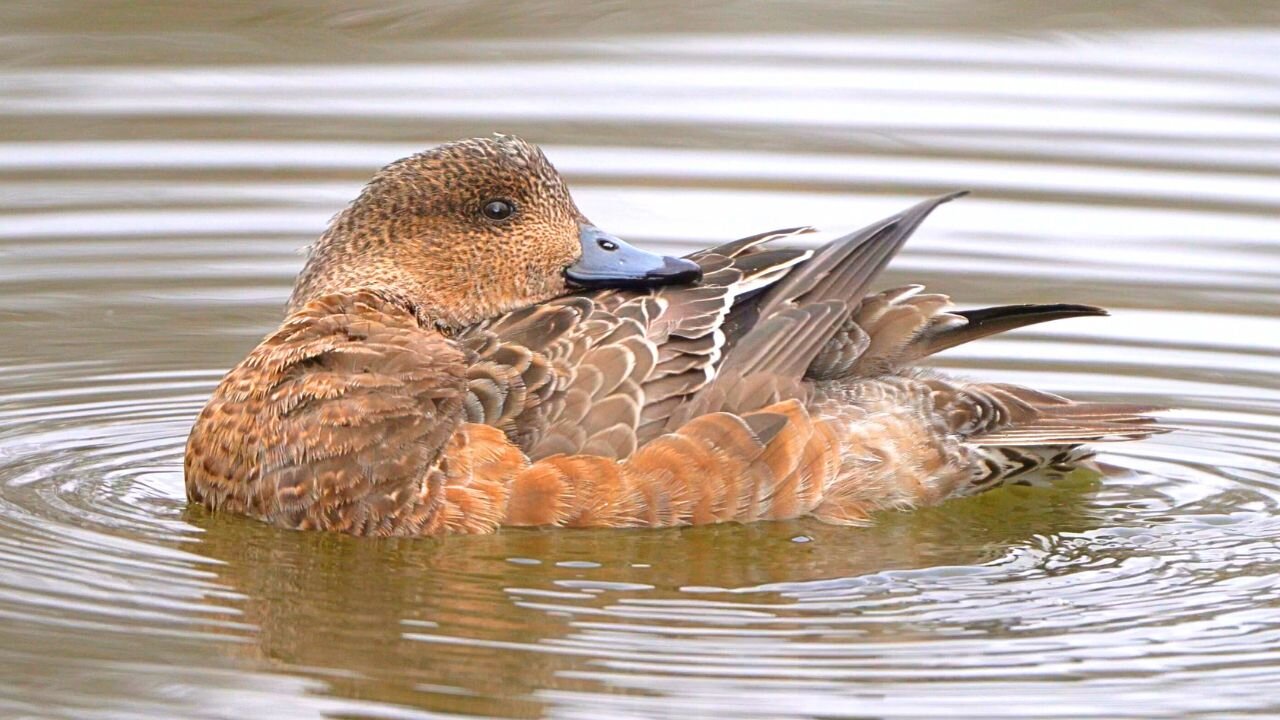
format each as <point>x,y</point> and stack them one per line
<point>465,351</point>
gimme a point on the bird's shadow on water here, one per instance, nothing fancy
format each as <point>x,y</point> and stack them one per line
<point>461,623</point>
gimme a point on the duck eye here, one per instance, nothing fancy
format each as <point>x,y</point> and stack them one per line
<point>498,209</point>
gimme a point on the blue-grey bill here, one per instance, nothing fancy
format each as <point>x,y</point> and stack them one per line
<point>608,262</point>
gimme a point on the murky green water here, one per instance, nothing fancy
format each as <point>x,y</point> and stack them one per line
<point>161,166</point>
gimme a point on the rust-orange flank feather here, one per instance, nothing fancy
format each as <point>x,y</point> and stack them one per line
<point>436,374</point>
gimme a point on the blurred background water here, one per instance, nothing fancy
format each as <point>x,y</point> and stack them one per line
<point>161,165</point>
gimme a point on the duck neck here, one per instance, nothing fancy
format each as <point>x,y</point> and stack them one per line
<point>334,267</point>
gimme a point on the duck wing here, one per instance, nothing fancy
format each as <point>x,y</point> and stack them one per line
<point>771,338</point>
<point>774,338</point>
<point>608,371</point>
<point>599,373</point>
<point>818,326</point>
<point>605,373</point>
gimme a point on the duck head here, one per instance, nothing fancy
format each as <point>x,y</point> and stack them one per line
<point>472,229</point>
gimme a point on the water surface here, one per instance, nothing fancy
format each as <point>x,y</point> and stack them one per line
<point>160,171</point>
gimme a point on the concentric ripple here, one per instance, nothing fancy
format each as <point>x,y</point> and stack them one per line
<point>150,219</point>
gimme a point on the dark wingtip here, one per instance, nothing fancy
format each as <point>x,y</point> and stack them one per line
<point>918,212</point>
<point>1071,310</point>
<point>982,322</point>
<point>1032,313</point>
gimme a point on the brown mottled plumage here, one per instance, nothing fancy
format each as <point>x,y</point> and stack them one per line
<point>435,374</point>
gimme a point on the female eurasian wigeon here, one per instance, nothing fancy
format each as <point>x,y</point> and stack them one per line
<point>464,350</point>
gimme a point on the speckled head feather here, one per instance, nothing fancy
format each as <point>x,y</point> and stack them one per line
<point>420,228</point>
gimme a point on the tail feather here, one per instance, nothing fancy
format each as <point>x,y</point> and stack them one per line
<point>999,414</point>
<point>1056,420</point>
<point>1063,431</point>
<point>892,329</point>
